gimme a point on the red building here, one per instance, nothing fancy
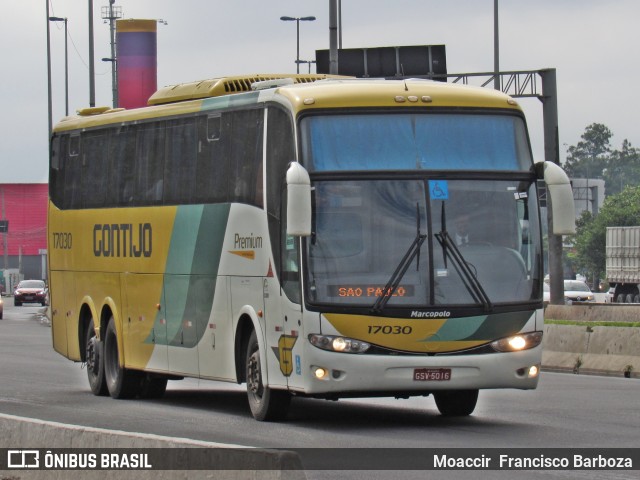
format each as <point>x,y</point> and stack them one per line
<point>24,206</point>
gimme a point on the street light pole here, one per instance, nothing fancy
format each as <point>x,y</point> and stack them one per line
<point>297,20</point>
<point>66,62</point>
<point>112,13</point>
<point>50,120</point>
<point>496,47</point>
<point>92,68</point>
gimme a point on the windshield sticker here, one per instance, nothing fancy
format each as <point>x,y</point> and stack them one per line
<point>439,189</point>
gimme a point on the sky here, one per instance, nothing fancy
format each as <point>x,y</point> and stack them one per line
<point>591,43</point>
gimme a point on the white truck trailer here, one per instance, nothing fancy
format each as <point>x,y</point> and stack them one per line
<point>623,263</point>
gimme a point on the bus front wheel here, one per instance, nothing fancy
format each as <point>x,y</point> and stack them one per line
<point>121,382</point>
<point>266,404</point>
<point>456,403</point>
<point>95,361</point>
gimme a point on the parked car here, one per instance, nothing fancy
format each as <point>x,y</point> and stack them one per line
<point>30,291</point>
<point>577,291</point>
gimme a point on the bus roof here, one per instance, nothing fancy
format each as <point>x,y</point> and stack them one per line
<point>218,87</point>
<point>302,91</point>
<point>393,93</point>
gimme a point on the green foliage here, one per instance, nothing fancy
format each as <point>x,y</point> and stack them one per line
<point>590,155</point>
<point>619,210</point>
<point>593,157</point>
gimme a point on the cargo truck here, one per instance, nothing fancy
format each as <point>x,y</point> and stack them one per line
<point>623,263</point>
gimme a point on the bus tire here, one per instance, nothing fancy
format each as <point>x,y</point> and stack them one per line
<point>121,382</point>
<point>94,358</point>
<point>265,403</point>
<point>456,403</point>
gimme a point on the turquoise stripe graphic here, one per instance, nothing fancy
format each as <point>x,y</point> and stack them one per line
<point>482,327</point>
<point>191,273</point>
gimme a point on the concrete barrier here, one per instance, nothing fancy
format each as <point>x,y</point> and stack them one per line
<point>594,312</point>
<point>26,433</point>
<point>602,350</point>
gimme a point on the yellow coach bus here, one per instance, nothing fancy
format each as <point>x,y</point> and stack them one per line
<point>305,235</point>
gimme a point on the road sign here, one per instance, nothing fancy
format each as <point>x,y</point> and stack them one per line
<point>419,60</point>
<point>4,226</point>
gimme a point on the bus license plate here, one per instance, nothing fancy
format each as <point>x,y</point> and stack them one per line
<point>432,374</point>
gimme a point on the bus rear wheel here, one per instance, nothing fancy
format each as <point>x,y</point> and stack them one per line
<point>266,404</point>
<point>121,382</point>
<point>95,361</point>
<point>456,403</point>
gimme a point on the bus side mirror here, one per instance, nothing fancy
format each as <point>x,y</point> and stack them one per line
<point>559,190</point>
<point>298,201</point>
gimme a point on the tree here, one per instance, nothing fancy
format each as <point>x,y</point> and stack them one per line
<point>621,210</point>
<point>623,168</point>
<point>589,157</point>
<point>593,157</point>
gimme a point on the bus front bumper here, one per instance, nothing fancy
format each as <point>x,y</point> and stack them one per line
<point>334,374</point>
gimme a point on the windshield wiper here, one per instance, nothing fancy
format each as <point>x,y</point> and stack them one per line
<point>401,269</point>
<point>469,279</point>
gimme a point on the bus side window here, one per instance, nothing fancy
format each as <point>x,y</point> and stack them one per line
<point>212,162</point>
<point>73,174</point>
<point>245,150</point>
<point>56,174</point>
<point>213,128</point>
<point>94,168</point>
<point>121,166</point>
<point>149,164</point>
<point>180,164</point>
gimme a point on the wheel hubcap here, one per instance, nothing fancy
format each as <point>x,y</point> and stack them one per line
<point>253,374</point>
<point>91,355</point>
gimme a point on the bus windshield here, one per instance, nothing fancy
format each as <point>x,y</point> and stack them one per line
<point>363,228</point>
<point>415,141</point>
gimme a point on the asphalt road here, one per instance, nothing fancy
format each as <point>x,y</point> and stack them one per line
<point>565,411</point>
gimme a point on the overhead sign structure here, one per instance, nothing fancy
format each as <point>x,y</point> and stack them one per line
<point>406,61</point>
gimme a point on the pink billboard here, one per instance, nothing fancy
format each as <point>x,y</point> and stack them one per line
<point>137,61</point>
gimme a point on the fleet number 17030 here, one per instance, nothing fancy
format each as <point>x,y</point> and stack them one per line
<point>390,329</point>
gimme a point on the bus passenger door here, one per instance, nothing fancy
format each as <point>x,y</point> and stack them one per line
<point>284,318</point>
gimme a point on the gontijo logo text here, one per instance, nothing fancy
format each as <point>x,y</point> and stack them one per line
<point>122,240</point>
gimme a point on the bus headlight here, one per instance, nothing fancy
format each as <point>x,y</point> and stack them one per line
<point>335,343</point>
<point>516,343</point>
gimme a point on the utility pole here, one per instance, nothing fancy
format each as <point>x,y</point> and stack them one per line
<point>50,113</point>
<point>333,37</point>
<point>552,154</point>
<point>496,47</point>
<point>92,68</point>
<point>112,14</point>
<point>4,234</point>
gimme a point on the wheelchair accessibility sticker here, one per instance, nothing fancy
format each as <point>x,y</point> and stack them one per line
<point>439,189</point>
